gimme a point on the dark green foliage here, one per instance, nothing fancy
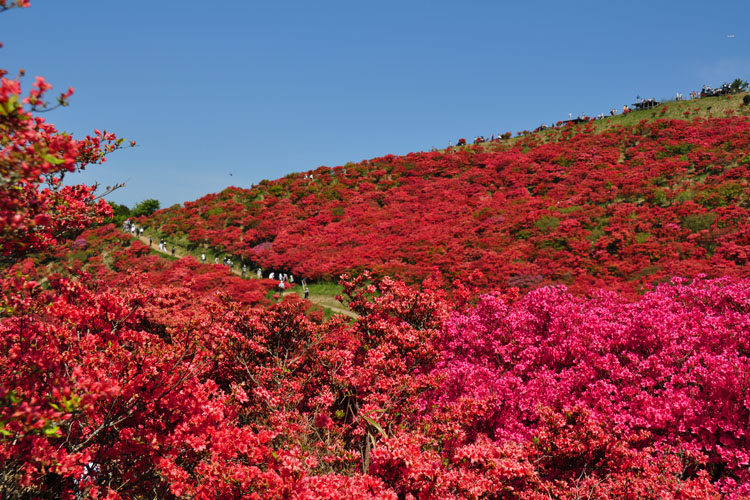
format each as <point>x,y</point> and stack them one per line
<point>557,244</point>
<point>738,85</point>
<point>674,150</point>
<point>724,195</point>
<point>146,207</point>
<point>119,214</point>
<point>564,162</point>
<point>547,223</point>
<point>658,197</point>
<point>277,190</point>
<point>698,222</point>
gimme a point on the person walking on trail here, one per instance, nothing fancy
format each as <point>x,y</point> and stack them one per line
<point>203,257</point>
<point>281,285</point>
<point>172,250</point>
<point>244,269</point>
<point>216,260</point>
<point>307,293</point>
<point>150,242</point>
<point>259,273</point>
<point>270,275</point>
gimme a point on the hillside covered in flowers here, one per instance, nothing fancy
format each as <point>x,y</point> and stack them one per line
<point>623,209</point>
<point>594,344</point>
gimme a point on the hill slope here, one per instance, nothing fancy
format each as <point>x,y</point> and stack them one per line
<point>618,207</point>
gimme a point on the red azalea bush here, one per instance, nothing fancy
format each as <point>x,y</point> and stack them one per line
<point>34,154</point>
<point>102,396</point>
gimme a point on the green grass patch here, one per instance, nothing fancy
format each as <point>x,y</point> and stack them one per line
<point>325,288</point>
<point>154,251</point>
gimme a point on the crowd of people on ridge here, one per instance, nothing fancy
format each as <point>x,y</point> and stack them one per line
<point>640,104</point>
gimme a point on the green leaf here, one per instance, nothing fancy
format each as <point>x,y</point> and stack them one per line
<point>375,425</point>
<point>71,404</point>
<point>13,398</point>
<point>10,105</point>
<point>51,430</point>
<point>52,159</point>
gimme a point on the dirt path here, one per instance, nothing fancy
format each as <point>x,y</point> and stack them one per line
<point>332,304</point>
<point>321,300</point>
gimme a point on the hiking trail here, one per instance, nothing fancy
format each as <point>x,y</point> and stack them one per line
<point>321,300</point>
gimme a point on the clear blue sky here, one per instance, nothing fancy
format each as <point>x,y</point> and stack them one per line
<point>262,89</point>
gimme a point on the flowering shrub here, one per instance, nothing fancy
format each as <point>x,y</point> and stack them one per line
<point>128,386</point>
<point>33,152</point>
<point>552,395</point>
<point>669,370</point>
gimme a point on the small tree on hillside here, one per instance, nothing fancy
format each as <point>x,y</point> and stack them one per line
<point>738,85</point>
<point>146,207</point>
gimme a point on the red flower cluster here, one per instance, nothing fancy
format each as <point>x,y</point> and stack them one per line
<point>669,371</point>
<point>33,153</point>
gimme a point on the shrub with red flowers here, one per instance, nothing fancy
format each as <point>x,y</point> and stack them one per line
<point>35,207</point>
<point>119,391</point>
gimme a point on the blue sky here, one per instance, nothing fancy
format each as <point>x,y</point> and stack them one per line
<point>261,89</point>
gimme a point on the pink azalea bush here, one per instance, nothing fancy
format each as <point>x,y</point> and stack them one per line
<point>673,367</point>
